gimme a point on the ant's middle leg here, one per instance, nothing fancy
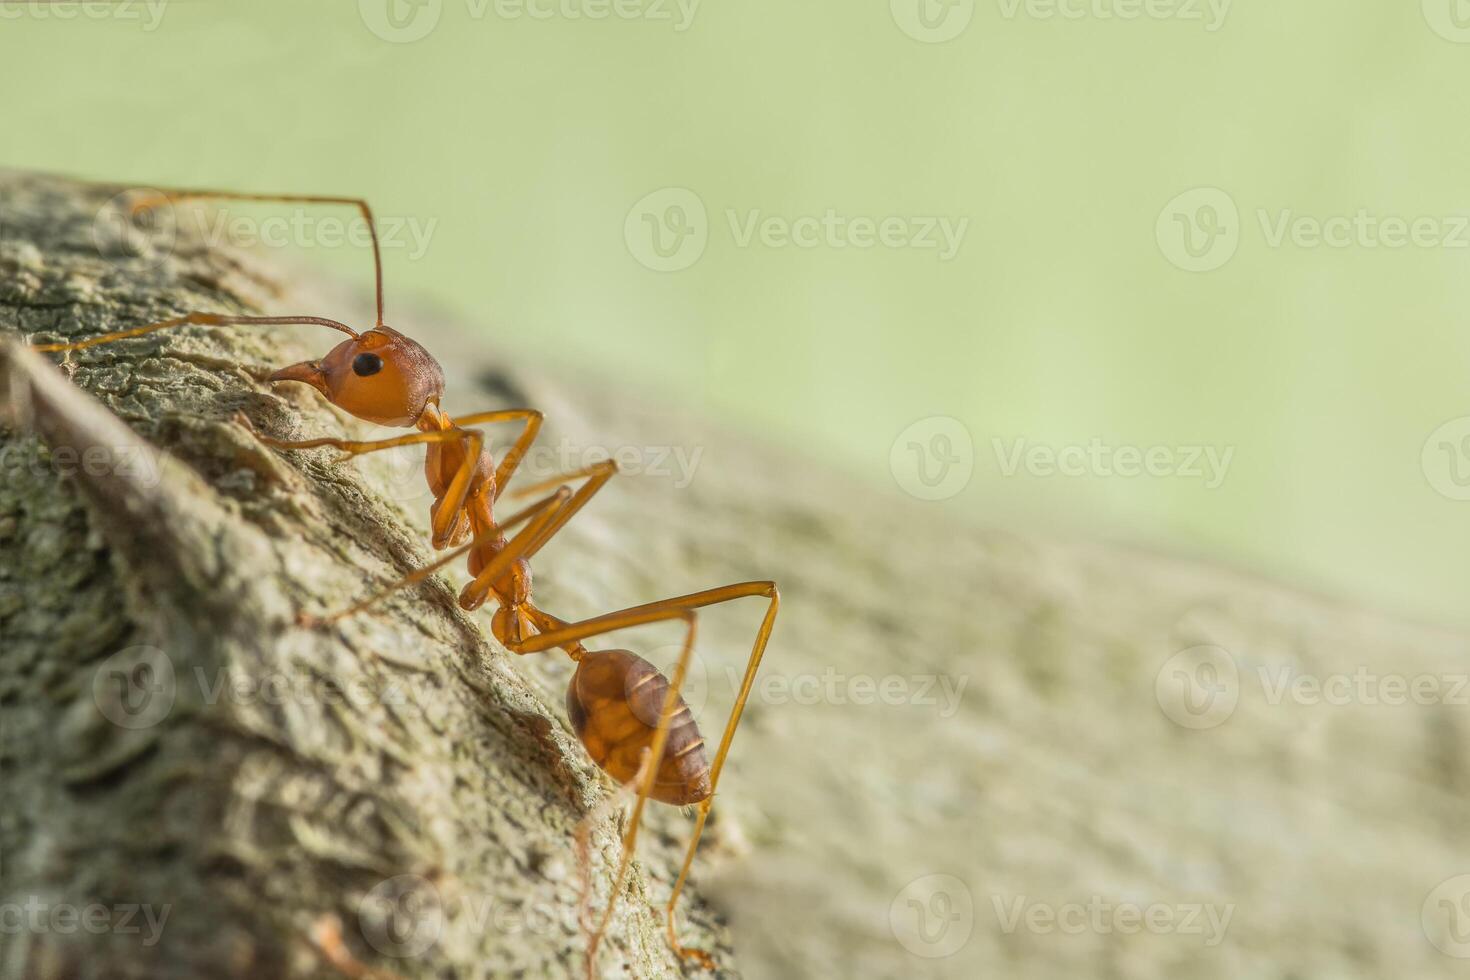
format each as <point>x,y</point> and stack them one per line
<point>526,544</point>
<point>540,508</point>
<point>561,634</point>
<point>517,452</point>
<point>649,769</point>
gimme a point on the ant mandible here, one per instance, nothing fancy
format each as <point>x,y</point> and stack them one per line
<point>632,720</point>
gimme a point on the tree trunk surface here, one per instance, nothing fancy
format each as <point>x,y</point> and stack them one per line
<point>970,751</point>
<point>174,746</point>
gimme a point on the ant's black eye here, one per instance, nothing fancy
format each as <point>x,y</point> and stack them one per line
<point>364,365</point>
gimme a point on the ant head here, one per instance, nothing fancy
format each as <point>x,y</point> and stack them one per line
<point>380,376</point>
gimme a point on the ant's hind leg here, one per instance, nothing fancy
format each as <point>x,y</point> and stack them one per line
<point>585,827</point>
<point>561,634</point>
<point>326,937</point>
<point>652,761</point>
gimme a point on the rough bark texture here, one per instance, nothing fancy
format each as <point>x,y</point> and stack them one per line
<point>171,739</point>
<point>1058,776</point>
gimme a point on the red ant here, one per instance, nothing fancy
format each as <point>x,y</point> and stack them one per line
<point>632,720</point>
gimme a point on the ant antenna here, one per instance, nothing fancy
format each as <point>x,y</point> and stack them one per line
<point>194,319</point>
<point>357,202</point>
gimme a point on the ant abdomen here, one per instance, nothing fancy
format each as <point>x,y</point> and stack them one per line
<point>614,702</point>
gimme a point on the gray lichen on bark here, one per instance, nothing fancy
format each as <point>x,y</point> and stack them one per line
<point>398,772</point>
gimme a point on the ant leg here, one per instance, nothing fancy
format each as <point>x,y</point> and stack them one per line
<point>353,447</point>
<point>453,500</point>
<point>447,511</point>
<point>531,540</point>
<point>653,612</point>
<point>649,767</point>
<point>193,319</point>
<point>557,499</point>
<point>592,469</point>
<point>171,196</point>
<point>585,826</point>
<point>326,936</point>
<point>598,474</point>
<point>517,451</point>
<point>450,504</point>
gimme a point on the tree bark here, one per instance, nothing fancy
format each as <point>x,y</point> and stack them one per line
<point>193,786</point>
<point>989,706</point>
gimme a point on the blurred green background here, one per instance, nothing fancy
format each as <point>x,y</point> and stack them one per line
<point>523,138</point>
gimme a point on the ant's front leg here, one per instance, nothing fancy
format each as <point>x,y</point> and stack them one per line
<point>536,513</point>
<point>448,510</point>
<point>351,447</point>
